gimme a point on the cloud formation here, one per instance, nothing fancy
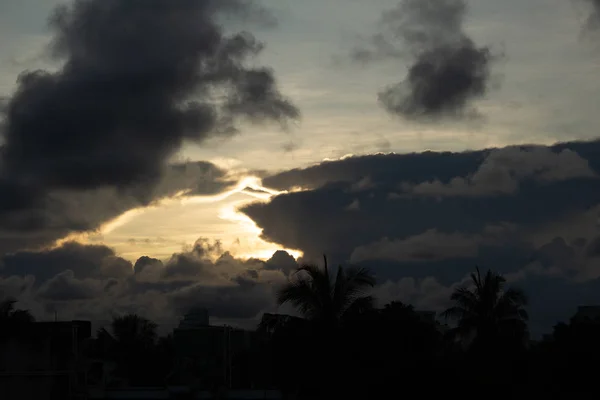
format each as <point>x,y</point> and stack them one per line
<point>592,24</point>
<point>503,170</point>
<point>447,69</point>
<point>428,246</point>
<point>138,79</point>
<point>542,234</point>
<point>426,220</point>
<point>92,282</point>
<point>391,207</point>
<point>40,221</point>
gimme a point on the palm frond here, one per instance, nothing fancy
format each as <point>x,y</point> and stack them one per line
<point>476,278</point>
<point>359,306</point>
<point>486,308</point>
<point>315,293</point>
<point>353,286</point>
<point>318,277</point>
<point>456,313</point>
<point>361,276</point>
<point>515,296</point>
<point>300,294</point>
<point>465,298</point>
<point>340,288</point>
<point>523,314</point>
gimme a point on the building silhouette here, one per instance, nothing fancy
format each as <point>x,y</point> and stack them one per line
<point>207,354</point>
<point>44,361</point>
<point>587,314</point>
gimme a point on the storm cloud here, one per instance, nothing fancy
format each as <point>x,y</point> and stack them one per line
<point>39,221</point>
<point>592,23</point>
<point>93,282</point>
<point>411,194</point>
<point>137,79</point>
<point>447,69</point>
<point>427,219</point>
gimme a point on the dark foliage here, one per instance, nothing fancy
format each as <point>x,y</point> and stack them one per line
<point>343,347</point>
<point>13,321</point>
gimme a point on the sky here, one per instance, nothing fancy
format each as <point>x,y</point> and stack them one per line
<point>159,155</point>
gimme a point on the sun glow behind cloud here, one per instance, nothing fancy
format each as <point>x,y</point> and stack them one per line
<point>172,223</point>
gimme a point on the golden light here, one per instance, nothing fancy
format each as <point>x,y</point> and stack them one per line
<point>240,231</point>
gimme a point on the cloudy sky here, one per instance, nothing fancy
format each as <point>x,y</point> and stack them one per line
<point>157,155</point>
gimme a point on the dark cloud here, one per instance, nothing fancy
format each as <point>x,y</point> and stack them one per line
<point>83,261</point>
<point>144,263</point>
<point>553,295</point>
<point>593,249</point>
<point>378,48</point>
<point>503,170</point>
<point>447,69</point>
<point>282,261</point>
<point>65,287</point>
<point>240,300</point>
<point>429,219</point>
<point>592,24</point>
<point>387,167</point>
<point>195,263</point>
<point>61,212</point>
<point>390,206</point>
<point>550,277</point>
<point>92,282</point>
<point>432,245</point>
<point>138,79</point>
<point>440,166</point>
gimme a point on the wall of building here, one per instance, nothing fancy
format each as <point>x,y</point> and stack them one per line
<point>211,351</point>
<point>41,361</point>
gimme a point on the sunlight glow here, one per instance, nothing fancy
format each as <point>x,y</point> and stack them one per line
<point>254,246</point>
<point>344,157</point>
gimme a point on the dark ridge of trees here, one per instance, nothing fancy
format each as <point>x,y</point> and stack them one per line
<point>134,350</point>
<point>9,314</point>
<point>13,321</point>
<point>569,357</point>
<point>342,346</point>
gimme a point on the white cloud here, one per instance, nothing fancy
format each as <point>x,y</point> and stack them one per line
<point>503,170</point>
<point>432,245</point>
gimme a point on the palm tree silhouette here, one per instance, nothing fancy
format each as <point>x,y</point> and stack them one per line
<point>314,342</point>
<point>324,301</point>
<point>486,312</point>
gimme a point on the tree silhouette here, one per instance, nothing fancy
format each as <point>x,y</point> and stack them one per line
<point>13,320</point>
<point>492,324</point>
<point>133,330</point>
<point>563,359</point>
<point>10,314</point>
<point>486,312</point>
<point>134,349</point>
<point>313,342</point>
<point>324,301</point>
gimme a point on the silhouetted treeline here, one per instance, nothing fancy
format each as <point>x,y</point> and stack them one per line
<point>340,345</point>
